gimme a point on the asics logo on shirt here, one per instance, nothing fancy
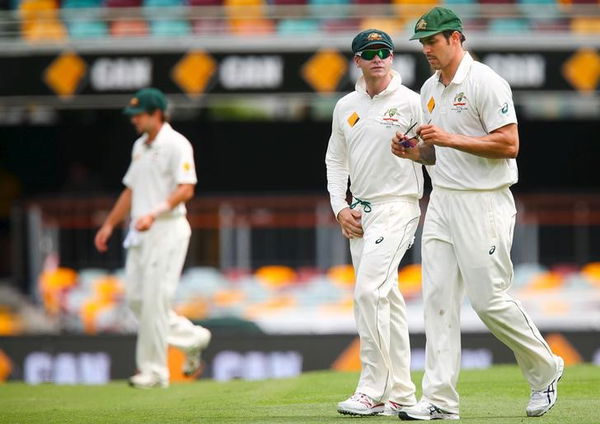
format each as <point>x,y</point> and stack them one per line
<point>379,240</point>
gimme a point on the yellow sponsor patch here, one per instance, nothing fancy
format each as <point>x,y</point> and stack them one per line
<point>430,104</point>
<point>353,119</point>
<point>187,166</point>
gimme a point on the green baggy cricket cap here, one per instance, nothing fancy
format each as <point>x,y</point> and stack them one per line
<point>435,21</point>
<point>146,100</point>
<point>371,37</point>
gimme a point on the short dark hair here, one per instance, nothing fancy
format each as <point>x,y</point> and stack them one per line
<point>448,33</point>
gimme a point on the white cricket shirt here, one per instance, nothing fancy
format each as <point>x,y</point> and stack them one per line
<point>360,146</point>
<point>475,103</point>
<point>157,169</point>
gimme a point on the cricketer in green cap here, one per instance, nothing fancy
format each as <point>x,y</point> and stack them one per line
<point>369,38</point>
<point>146,100</point>
<point>438,19</point>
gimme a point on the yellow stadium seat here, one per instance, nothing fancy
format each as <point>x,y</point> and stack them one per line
<point>52,284</point>
<point>409,280</point>
<point>342,275</point>
<point>276,276</point>
<point>589,25</point>
<point>41,30</point>
<point>244,8</point>
<point>256,26</point>
<point>412,9</point>
<point>389,25</point>
<point>546,281</point>
<point>32,9</point>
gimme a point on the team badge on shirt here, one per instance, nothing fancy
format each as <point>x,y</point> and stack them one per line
<point>353,119</point>
<point>459,103</point>
<point>431,104</point>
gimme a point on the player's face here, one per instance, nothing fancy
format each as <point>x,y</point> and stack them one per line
<point>439,51</point>
<point>143,122</point>
<point>376,67</point>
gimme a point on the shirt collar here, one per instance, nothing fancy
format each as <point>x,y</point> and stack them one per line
<point>463,69</point>
<point>164,129</point>
<point>395,82</point>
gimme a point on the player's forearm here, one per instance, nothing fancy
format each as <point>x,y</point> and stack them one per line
<point>181,194</point>
<point>500,144</point>
<point>120,209</point>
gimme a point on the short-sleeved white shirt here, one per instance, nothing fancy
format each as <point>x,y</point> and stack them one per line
<point>360,145</point>
<point>157,169</point>
<point>475,103</point>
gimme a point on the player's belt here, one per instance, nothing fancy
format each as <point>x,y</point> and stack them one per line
<point>366,205</point>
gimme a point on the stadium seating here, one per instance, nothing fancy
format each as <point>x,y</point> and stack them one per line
<point>86,29</point>
<point>85,19</point>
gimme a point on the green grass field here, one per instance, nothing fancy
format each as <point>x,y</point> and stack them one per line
<point>495,396</point>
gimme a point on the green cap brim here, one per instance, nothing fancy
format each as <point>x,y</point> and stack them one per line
<point>133,110</point>
<point>423,34</point>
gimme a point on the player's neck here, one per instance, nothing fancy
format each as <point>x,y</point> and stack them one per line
<point>153,133</point>
<point>377,85</point>
<point>447,72</point>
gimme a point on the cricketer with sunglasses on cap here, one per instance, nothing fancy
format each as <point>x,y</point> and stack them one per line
<point>473,140</point>
<point>380,221</point>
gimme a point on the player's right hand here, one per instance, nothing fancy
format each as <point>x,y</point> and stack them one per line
<point>102,237</point>
<point>403,152</point>
<point>349,220</point>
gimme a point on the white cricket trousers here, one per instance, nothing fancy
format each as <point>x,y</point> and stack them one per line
<point>152,270</point>
<point>467,237</point>
<point>379,308</point>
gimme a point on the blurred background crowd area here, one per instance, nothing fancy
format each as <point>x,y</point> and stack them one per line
<point>54,20</point>
<point>252,84</point>
<point>279,300</point>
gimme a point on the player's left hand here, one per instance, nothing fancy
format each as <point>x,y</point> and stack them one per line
<point>144,223</point>
<point>431,134</point>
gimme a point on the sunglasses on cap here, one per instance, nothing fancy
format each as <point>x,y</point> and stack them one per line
<point>370,54</point>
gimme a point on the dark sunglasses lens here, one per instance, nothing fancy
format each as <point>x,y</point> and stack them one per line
<point>370,54</point>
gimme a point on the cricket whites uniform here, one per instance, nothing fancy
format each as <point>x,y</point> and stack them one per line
<point>468,233</point>
<point>386,189</point>
<point>155,257</point>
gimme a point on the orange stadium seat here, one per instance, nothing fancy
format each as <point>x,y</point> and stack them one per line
<point>251,26</point>
<point>128,28</point>
<point>412,9</point>
<point>589,25</point>
<point>44,30</point>
<point>244,8</point>
<point>38,9</point>
<point>389,25</point>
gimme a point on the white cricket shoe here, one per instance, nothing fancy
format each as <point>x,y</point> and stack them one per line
<point>425,411</point>
<point>193,360</point>
<point>541,401</point>
<point>393,408</point>
<point>146,381</point>
<point>360,404</point>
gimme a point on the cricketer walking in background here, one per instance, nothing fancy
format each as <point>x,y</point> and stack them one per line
<point>381,220</point>
<point>160,179</point>
<point>473,140</point>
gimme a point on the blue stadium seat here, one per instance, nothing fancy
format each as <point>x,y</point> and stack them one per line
<point>329,8</point>
<point>508,25</point>
<point>79,29</point>
<point>297,26</point>
<point>81,4</point>
<point>170,28</point>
